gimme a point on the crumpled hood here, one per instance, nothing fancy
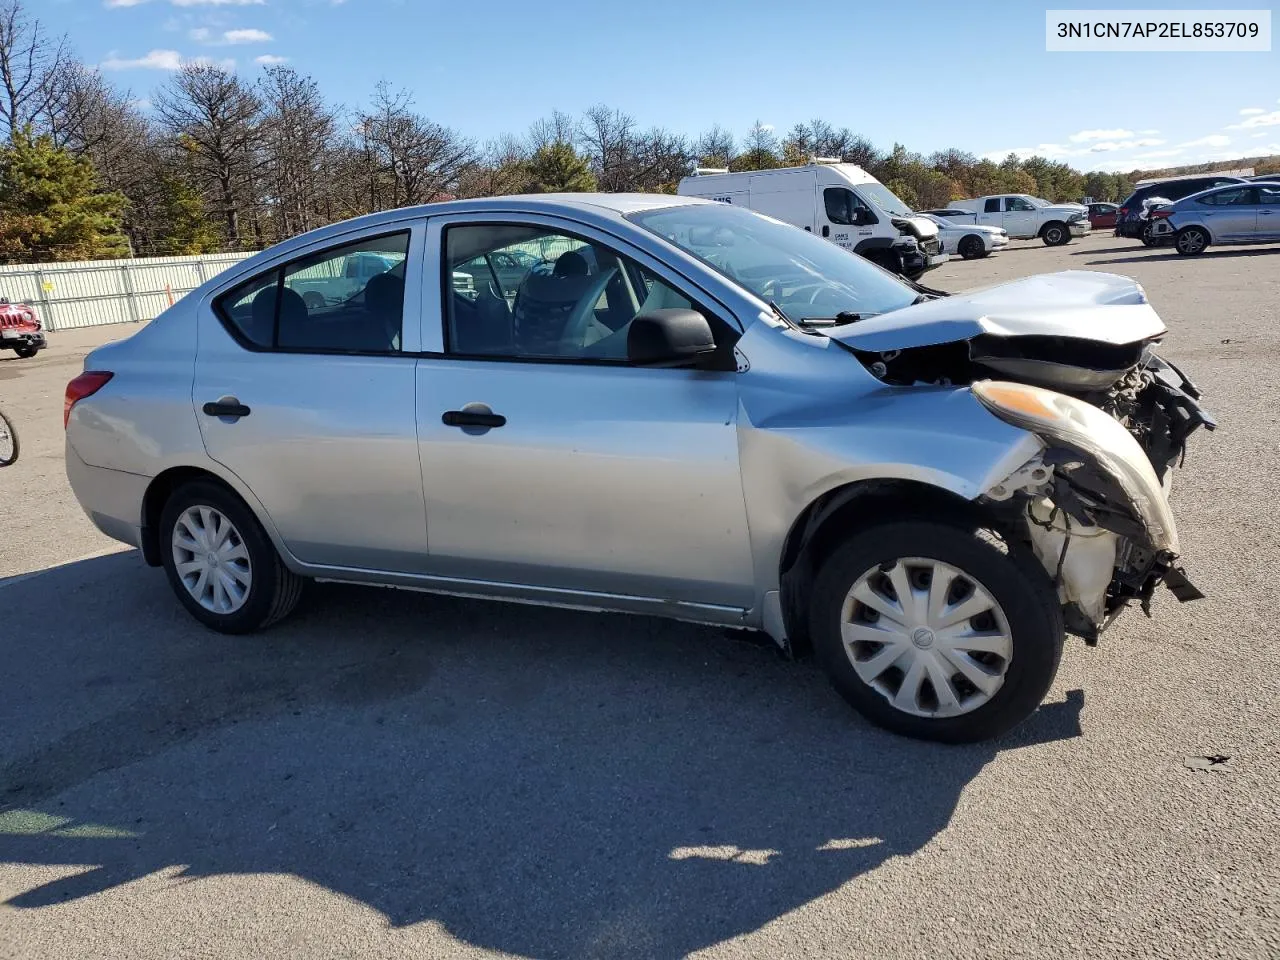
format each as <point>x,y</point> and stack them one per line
<point>1080,304</point>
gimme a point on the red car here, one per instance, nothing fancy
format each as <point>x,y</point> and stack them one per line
<point>20,329</point>
<point>1102,215</point>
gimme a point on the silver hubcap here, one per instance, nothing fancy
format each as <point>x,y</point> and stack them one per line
<point>211,559</point>
<point>927,637</point>
<point>1191,242</point>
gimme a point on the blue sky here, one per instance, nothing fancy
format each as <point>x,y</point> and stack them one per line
<point>926,74</point>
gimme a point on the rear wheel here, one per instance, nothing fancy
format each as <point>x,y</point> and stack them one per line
<point>1055,234</point>
<point>1191,241</point>
<point>933,632</point>
<point>972,248</point>
<point>221,563</point>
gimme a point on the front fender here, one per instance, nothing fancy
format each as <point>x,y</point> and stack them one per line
<point>812,419</point>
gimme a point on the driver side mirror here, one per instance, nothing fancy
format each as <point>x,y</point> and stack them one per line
<point>670,338</point>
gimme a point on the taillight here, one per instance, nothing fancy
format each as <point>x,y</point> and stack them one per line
<point>85,385</point>
<point>1161,214</point>
<point>1124,211</point>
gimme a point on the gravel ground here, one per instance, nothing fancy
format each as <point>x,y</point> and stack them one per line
<point>397,775</point>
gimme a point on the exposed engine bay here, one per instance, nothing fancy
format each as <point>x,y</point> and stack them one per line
<point>1095,535</point>
<point>1150,396</point>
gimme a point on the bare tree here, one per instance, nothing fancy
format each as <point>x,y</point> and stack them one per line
<point>408,158</point>
<point>91,118</point>
<point>609,143</point>
<point>216,119</point>
<point>31,66</point>
<point>555,129</point>
<point>715,148</point>
<point>298,131</point>
<point>502,168</point>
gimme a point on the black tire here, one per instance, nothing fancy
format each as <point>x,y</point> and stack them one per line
<point>1191,241</point>
<point>274,590</point>
<point>971,247</point>
<point>8,441</point>
<point>1055,234</point>
<point>1147,239</point>
<point>1016,581</point>
<point>26,352</point>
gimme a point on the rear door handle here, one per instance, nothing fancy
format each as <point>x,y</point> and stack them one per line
<point>226,408</point>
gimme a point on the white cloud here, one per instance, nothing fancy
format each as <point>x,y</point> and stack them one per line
<point>270,60</point>
<point>227,63</point>
<point>1108,146</point>
<point>245,36</point>
<point>141,103</point>
<point>1085,135</point>
<point>1258,120</point>
<point>1251,111</point>
<point>1148,133</point>
<point>154,60</point>
<point>1213,140</point>
<point>217,3</point>
<point>1264,133</point>
<point>123,3</point>
<point>199,34</point>
<point>1048,150</point>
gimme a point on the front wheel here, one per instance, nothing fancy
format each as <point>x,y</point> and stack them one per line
<point>8,442</point>
<point>26,352</point>
<point>1191,241</point>
<point>1055,234</point>
<point>972,248</point>
<point>221,563</point>
<point>933,632</point>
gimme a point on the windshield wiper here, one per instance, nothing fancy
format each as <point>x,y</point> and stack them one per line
<point>839,320</point>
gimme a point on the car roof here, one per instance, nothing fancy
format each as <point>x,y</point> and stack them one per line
<point>589,206</point>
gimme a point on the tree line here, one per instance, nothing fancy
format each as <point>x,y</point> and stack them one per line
<point>223,162</point>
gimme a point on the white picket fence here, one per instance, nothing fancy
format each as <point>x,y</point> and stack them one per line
<point>89,292</point>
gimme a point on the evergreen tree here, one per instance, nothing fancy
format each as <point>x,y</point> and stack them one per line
<point>556,167</point>
<point>50,207</point>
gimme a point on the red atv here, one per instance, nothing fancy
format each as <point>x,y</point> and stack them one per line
<point>19,329</point>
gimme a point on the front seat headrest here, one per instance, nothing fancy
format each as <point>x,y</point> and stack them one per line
<point>571,264</point>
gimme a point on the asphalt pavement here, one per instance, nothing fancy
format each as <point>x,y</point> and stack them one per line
<point>390,774</point>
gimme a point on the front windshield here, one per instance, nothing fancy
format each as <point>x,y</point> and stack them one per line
<point>884,198</point>
<point>806,276</point>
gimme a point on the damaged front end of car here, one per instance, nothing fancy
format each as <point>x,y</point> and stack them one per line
<point>1080,373</point>
<point>1091,504</point>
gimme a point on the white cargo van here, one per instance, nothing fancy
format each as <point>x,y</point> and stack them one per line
<point>839,201</point>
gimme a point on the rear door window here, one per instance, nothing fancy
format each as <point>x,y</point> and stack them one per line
<point>992,205</point>
<point>347,299</point>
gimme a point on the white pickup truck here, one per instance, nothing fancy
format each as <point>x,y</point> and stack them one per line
<point>1024,217</point>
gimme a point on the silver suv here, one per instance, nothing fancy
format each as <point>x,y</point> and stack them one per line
<point>692,411</point>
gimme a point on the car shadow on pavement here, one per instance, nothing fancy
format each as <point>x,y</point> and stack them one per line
<point>1171,254</point>
<point>541,782</point>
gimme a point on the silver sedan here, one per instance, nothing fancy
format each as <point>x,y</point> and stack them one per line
<point>690,410</point>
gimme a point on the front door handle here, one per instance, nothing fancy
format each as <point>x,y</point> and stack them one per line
<point>226,408</point>
<point>473,418</point>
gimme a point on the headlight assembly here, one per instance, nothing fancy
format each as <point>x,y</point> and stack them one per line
<point>1103,441</point>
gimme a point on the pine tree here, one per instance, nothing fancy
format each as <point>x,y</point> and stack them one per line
<point>557,168</point>
<point>50,208</point>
